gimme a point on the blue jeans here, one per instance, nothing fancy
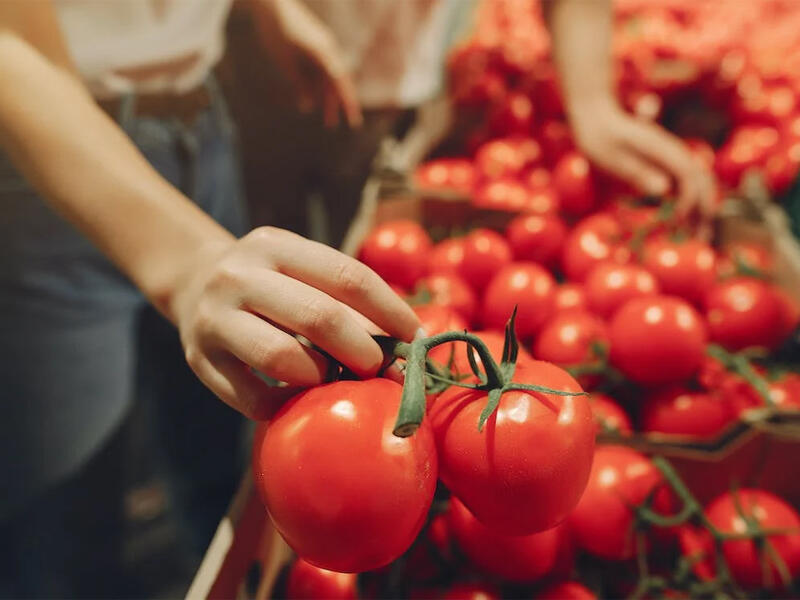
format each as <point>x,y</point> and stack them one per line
<point>70,335</point>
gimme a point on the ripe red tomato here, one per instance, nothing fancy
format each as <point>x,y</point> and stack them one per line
<point>344,492</point>
<point>609,414</point>
<point>685,268</point>
<point>568,338</point>
<point>537,178</point>
<point>506,157</point>
<point>513,115</point>
<point>785,391</point>
<point>307,582</point>
<point>450,174</point>
<point>657,339</point>
<point>397,251</point>
<point>542,201</point>
<point>746,254</point>
<point>447,256</point>
<point>790,309</point>
<point>512,491</point>
<point>593,240</point>
<point>501,194</point>
<point>521,558</point>
<point>677,410</point>
<point>494,341</point>
<point>485,253</point>
<point>449,290</point>
<point>436,318</point>
<point>781,168</point>
<point>537,238</point>
<point>556,140</point>
<point>743,556</point>
<point>609,285</point>
<point>574,184</point>
<point>472,591</point>
<point>602,522</point>
<point>566,590</point>
<point>744,312</point>
<point>748,147</point>
<point>525,285</point>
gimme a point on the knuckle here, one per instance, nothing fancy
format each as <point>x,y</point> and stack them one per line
<point>226,276</point>
<point>320,317</point>
<point>193,357</point>
<point>353,278</point>
<point>203,318</point>
<point>272,358</point>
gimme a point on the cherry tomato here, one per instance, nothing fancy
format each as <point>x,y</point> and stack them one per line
<point>447,256</point>
<point>743,312</point>
<point>485,253</point>
<point>511,490</point>
<point>472,591</point>
<point>506,157</point>
<point>343,491</point>
<point>307,582</point>
<point>566,590</point>
<point>450,174</point>
<point>569,295</point>
<point>524,285</point>
<point>657,339</point>
<point>685,268</point>
<point>521,558</point>
<point>502,194</point>
<point>574,184</point>
<point>593,240</point>
<point>537,238</point>
<point>609,414</point>
<point>397,251</point>
<point>679,411</point>
<point>513,115</point>
<point>609,285</point>
<point>568,338</point>
<point>602,522</point>
<point>448,289</point>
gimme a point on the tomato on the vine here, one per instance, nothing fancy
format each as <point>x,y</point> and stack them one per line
<point>610,415</point>
<point>435,318</point>
<point>570,338</point>
<point>397,251</point>
<point>677,410</point>
<point>524,285</point>
<point>344,492</point>
<point>494,341</point>
<point>685,268</point>
<point>537,238</point>
<point>485,253</point>
<point>609,285</point>
<point>307,582</point>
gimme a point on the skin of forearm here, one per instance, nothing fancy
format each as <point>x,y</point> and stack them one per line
<point>89,171</point>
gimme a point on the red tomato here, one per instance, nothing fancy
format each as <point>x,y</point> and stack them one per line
<point>343,491</point>
<point>679,411</point>
<point>785,391</point>
<point>602,523</point>
<point>472,591</point>
<point>512,491</point>
<point>744,312</point>
<point>506,157</point>
<point>568,338</point>
<point>609,414</point>
<point>744,254</point>
<point>781,168</point>
<point>485,253</point>
<point>454,174</point>
<point>397,251</point>
<point>574,184</point>
<point>307,582</point>
<point>790,309</point>
<point>537,238</point>
<point>743,556</point>
<point>520,558</point>
<point>569,295</point>
<point>566,590</point>
<point>609,286</point>
<point>448,289</point>
<point>494,341</point>
<point>525,285</point>
<point>686,268</point>
<point>447,256</point>
<point>541,201</point>
<point>593,240</point>
<point>747,147</point>
<point>501,194</point>
<point>556,140</point>
<point>424,560</point>
<point>537,178</point>
<point>436,318</point>
<point>657,339</point>
<point>513,115</point>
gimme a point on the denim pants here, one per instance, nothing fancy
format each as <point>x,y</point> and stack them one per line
<point>72,349</point>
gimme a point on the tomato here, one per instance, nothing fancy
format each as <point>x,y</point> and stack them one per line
<point>574,184</point>
<point>501,194</point>
<point>397,251</point>
<point>424,562</point>
<point>602,522</point>
<point>448,289</point>
<point>542,201</point>
<point>525,285</point>
<point>785,391</point>
<point>566,590</point>
<point>568,338</point>
<point>593,240</point>
<point>513,115</point>
<point>556,140</point>
<point>747,147</point>
<point>657,339</point>
<point>513,490</point>
<point>537,178</point>
<point>307,582</point>
<point>537,238</point>
<point>569,295</point>
<point>521,558</point>
<point>609,414</point>
<point>685,268</point>
<point>447,256</point>
<point>485,253</point>
<point>506,157</point>
<point>451,174</point>
<point>677,410</point>
<point>494,341</point>
<point>781,168</point>
<point>745,254</point>
<point>743,312</point>
<point>344,492</point>
<point>609,285</point>
<point>472,591</point>
<point>790,309</point>
<point>743,556</point>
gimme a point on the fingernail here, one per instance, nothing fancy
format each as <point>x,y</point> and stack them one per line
<point>421,333</point>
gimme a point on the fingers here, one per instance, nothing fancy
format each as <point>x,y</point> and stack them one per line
<point>345,92</point>
<point>640,173</point>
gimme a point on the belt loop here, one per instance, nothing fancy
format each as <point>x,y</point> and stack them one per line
<point>127,111</point>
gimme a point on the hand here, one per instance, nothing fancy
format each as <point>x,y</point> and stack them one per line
<point>644,155</point>
<point>308,54</point>
<point>241,304</point>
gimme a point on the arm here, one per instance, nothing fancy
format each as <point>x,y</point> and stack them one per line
<point>223,294</point>
<point>638,151</point>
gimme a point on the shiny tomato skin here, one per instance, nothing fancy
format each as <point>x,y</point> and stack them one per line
<point>685,268</point>
<point>574,184</point>
<point>609,414</point>
<point>436,318</point>
<point>556,140</point>
<point>570,295</point>
<point>450,290</point>
<point>449,174</point>
<point>472,591</point>
<point>537,178</point>
<point>494,341</point>
<point>447,256</point>
<point>542,201</point>
<point>609,285</point>
<point>397,251</point>
<point>677,410</point>
<point>593,240</point>
<point>785,391</point>
<point>657,339</point>
<point>565,590</point>
<point>750,255</point>
<point>511,491</point>
<point>513,115</point>
<point>568,336</point>
<point>537,238</point>
<point>505,193</point>
<point>525,285</point>
<point>520,558</point>
<point>485,253</point>
<point>307,582</point>
<point>602,522</point>
<point>505,157</point>
<point>343,491</point>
